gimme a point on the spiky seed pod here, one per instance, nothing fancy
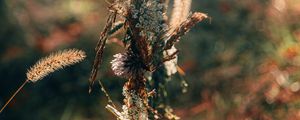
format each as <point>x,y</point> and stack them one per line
<point>127,65</point>
<point>54,62</point>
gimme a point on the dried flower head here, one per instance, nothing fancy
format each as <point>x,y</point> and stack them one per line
<point>127,65</point>
<point>149,42</point>
<point>54,62</point>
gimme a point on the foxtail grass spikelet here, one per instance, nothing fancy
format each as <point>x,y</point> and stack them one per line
<point>54,62</point>
<point>181,10</point>
<point>48,65</point>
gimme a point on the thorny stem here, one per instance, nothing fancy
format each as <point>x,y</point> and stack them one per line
<point>19,89</point>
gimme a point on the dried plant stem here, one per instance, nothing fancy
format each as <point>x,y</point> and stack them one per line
<point>115,112</point>
<point>99,49</point>
<point>184,27</point>
<point>106,94</point>
<point>148,42</point>
<point>10,99</point>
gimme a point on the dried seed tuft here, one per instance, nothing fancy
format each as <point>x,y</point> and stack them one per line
<point>54,62</point>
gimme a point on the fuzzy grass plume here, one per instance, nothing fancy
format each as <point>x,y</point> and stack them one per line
<point>181,10</point>
<point>54,62</point>
<point>48,65</point>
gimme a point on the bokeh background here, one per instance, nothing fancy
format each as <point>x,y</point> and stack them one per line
<point>242,64</point>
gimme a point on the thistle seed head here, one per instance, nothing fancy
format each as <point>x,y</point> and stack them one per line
<point>54,62</point>
<point>127,65</point>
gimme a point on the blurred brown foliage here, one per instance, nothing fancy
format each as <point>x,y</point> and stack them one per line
<point>242,65</point>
